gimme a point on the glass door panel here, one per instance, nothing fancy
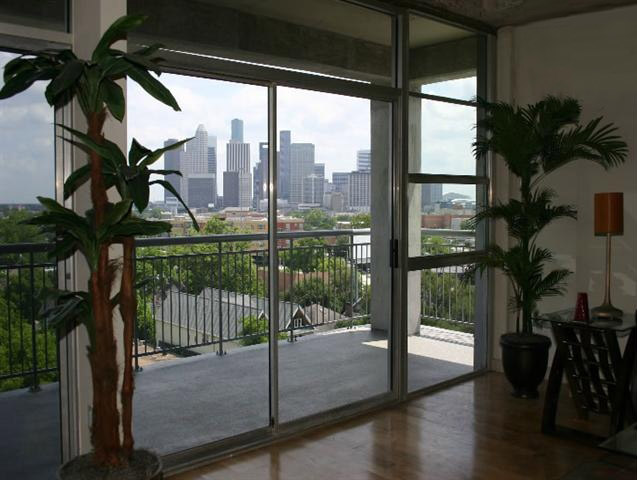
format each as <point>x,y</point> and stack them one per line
<point>333,230</point>
<point>202,323</point>
<point>29,380</point>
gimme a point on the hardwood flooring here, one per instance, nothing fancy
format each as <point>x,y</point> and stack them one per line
<point>474,430</point>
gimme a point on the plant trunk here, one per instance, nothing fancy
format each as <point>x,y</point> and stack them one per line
<point>128,307</point>
<point>103,353</point>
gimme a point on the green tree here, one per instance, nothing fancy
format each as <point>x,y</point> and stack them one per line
<point>307,255</point>
<point>362,220</point>
<point>317,219</point>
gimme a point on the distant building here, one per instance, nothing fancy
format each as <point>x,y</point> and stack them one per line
<point>260,177</point>
<point>236,130</point>
<point>359,190</point>
<point>238,160</point>
<point>172,161</point>
<point>334,201</point>
<point>340,182</point>
<point>212,163</point>
<point>230,189</point>
<point>364,160</point>
<point>319,170</point>
<point>201,190</point>
<point>431,194</point>
<point>313,189</point>
<point>301,166</point>
<point>283,179</point>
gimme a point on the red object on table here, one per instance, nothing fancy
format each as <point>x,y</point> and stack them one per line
<point>581,308</point>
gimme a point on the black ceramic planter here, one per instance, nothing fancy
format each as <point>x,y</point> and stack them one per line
<point>144,465</point>
<point>525,359</point>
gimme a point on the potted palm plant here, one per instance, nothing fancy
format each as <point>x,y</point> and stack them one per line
<point>534,141</point>
<point>93,83</point>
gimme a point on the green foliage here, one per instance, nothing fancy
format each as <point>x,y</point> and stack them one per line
<point>445,295</point>
<point>534,141</point>
<point>316,219</point>
<point>361,220</point>
<point>14,230</point>
<point>435,245</point>
<point>307,255</point>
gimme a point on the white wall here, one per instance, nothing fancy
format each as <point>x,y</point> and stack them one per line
<point>592,57</point>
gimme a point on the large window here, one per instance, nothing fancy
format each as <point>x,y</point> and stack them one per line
<point>446,308</point>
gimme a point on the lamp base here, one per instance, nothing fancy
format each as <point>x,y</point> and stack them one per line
<point>606,312</point>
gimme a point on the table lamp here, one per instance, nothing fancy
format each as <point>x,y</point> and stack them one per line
<point>609,221</point>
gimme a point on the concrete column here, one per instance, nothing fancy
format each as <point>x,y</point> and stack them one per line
<point>414,207</point>
<point>90,18</point>
<point>381,300</point>
<point>501,319</point>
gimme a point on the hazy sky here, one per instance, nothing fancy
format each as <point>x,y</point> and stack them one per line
<point>337,125</point>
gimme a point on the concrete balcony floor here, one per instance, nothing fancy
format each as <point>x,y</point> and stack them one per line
<point>186,402</point>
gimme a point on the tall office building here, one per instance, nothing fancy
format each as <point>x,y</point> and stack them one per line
<point>198,184</point>
<point>431,194</point>
<point>313,188</point>
<point>230,189</point>
<point>212,163</point>
<point>340,183</point>
<point>236,130</point>
<point>172,161</point>
<point>260,176</point>
<point>359,190</point>
<point>238,160</point>
<point>237,157</point>
<point>283,182</point>
<point>301,166</point>
<point>364,160</point>
<point>319,170</point>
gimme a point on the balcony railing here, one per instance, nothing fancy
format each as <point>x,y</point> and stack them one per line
<point>211,293</point>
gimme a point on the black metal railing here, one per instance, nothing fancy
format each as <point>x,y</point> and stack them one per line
<point>212,292</point>
<point>28,347</point>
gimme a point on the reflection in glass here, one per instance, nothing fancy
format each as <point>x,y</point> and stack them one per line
<point>49,14</point>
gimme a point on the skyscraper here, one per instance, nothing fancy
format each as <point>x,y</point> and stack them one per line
<point>301,166</point>
<point>359,190</point>
<point>172,161</point>
<point>319,170</point>
<point>212,163</point>
<point>431,194</point>
<point>230,189</point>
<point>236,127</point>
<point>364,160</point>
<point>340,182</point>
<point>199,184</point>
<point>260,176</point>
<point>283,183</point>
<point>238,160</point>
<point>313,189</point>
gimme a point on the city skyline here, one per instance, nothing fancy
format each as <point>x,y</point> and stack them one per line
<point>28,137</point>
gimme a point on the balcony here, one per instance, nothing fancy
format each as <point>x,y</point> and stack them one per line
<point>201,351</point>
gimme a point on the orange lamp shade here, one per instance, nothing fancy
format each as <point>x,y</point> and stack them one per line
<point>609,213</point>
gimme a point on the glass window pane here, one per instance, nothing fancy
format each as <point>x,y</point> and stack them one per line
<point>442,138</point>
<point>30,421</point>
<point>443,59</point>
<point>440,215</point>
<point>47,14</point>
<point>441,325</point>
<point>202,322</point>
<point>326,37</point>
<point>334,159</point>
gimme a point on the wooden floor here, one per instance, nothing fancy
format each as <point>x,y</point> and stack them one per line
<point>475,430</point>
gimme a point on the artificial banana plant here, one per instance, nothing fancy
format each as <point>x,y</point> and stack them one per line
<point>93,83</point>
